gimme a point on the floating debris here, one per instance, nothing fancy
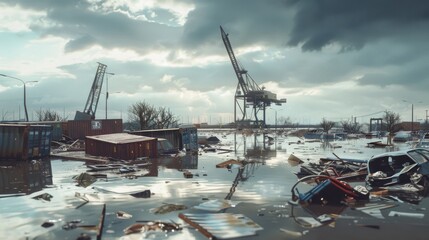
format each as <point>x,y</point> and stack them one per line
<point>328,191</point>
<point>85,179</point>
<point>188,174</point>
<point>292,234</point>
<point>228,163</point>
<point>373,209</point>
<point>406,214</point>
<point>222,225</point>
<point>294,160</point>
<point>123,215</point>
<point>152,226</point>
<point>168,207</point>
<point>215,205</point>
<point>143,194</point>
<point>43,196</point>
<point>47,224</point>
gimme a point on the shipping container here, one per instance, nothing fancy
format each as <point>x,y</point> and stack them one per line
<point>122,146</point>
<point>79,129</point>
<point>25,142</point>
<point>184,137</point>
<point>57,127</point>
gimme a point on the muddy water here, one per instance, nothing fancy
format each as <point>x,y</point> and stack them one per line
<point>262,193</point>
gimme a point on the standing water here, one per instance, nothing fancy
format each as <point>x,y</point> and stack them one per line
<point>172,196</point>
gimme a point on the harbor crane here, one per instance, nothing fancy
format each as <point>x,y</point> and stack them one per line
<point>94,95</point>
<point>248,94</point>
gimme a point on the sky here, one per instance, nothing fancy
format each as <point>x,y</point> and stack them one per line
<point>331,59</point>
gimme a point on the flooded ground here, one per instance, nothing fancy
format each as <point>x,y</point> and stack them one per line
<point>260,193</point>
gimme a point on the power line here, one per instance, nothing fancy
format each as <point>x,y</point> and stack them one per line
<point>367,115</point>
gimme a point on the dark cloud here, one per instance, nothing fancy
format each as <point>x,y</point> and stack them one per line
<point>352,24</point>
<point>248,22</point>
<point>80,43</point>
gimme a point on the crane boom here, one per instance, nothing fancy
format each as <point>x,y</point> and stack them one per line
<point>244,83</point>
<point>94,95</point>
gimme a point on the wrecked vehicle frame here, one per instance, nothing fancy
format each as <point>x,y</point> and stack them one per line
<point>409,166</point>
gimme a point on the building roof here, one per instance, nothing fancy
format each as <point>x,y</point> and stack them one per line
<point>120,138</point>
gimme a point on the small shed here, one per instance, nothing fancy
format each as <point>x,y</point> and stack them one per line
<point>182,137</point>
<point>25,141</point>
<point>121,146</point>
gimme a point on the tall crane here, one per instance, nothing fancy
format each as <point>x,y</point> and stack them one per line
<point>248,93</point>
<point>94,95</point>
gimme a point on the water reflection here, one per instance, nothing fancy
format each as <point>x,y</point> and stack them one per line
<point>243,173</point>
<point>259,146</point>
<point>24,177</point>
<point>188,161</point>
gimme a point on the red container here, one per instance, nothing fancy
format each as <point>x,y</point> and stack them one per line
<point>121,146</point>
<point>79,129</point>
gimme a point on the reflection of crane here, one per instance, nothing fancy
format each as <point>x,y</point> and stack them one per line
<point>243,174</point>
<point>94,95</point>
<point>248,93</point>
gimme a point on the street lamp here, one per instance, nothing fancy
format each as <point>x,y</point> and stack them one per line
<point>107,89</point>
<point>25,94</point>
<point>412,114</point>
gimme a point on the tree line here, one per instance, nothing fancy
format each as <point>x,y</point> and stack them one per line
<point>141,116</point>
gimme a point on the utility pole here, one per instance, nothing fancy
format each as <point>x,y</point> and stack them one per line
<point>107,89</point>
<point>412,118</point>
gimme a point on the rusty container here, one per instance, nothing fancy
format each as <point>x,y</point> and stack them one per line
<point>79,129</point>
<point>182,137</point>
<point>122,146</point>
<point>24,141</point>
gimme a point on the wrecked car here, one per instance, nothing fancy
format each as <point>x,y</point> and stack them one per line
<point>403,167</point>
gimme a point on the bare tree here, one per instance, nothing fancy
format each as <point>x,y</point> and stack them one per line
<point>326,125</point>
<point>165,118</point>
<point>49,115</point>
<point>142,113</point>
<point>149,117</point>
<point>351,127</point>
<point>392,124</point>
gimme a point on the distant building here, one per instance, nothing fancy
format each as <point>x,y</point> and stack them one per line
<point>410,126</point>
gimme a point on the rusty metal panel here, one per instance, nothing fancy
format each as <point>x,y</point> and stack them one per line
<point>13,141</point>
<point>79,129</point>
<point>39,141</point>
<point>121,146</point>
<point>24,142</point>
<point>183,137</point>
<point>57,127</point>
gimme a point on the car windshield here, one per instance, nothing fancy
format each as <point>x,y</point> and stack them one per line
<point>419,155</point>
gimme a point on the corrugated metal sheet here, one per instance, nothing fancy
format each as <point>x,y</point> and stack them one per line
<point>183,137</point>
<point>13,138</point>
<point>79,129</point>
<point>25,142</point>
<point>121,146</point>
